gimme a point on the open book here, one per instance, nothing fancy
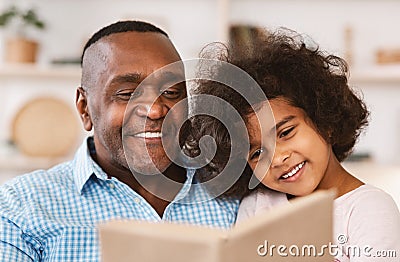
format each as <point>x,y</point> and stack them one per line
<point>298,231</point>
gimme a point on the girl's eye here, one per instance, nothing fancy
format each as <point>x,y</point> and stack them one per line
<point>256,154</point>
<point>286,132</point>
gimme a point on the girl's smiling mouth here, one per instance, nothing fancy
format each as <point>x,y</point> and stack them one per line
<point>294,173</point>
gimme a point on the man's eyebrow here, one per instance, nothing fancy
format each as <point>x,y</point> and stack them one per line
<point>130,78</point>
<point>282,122</point>
<point>172,77</point>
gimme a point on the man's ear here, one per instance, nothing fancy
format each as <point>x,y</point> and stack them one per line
<point>83,109</point>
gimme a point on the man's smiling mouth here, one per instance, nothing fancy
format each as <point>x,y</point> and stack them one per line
<point>149,135</point>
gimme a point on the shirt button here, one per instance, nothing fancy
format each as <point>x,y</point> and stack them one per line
<point>137,200</point>
<point>111,185</point>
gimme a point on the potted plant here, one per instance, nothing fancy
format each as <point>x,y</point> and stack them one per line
<point>19,47</point>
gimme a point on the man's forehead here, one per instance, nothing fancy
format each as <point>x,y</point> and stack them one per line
<point>138,45</point>
<point>137,39</point>
<point>145,54</point>
<point>103,48</point>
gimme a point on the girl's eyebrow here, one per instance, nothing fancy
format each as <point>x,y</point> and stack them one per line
<point>282,122</point>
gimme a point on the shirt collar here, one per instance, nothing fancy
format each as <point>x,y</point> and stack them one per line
<point>84,166</point>
<point>186,186</point>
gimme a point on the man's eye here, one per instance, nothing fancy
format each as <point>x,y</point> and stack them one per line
<point>125,95</point>
<point>173,91</point>
<point>286,132</point>
<point>172,94</point>
<point>128,94</point>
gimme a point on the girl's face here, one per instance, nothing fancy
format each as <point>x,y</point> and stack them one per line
<point>301,157</point>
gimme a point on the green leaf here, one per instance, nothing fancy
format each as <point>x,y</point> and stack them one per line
<point>29,18</point>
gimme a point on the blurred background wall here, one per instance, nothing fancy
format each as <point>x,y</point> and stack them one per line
<point>354,29</point>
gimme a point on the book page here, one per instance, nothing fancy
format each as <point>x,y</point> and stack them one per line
<point>297,231</point>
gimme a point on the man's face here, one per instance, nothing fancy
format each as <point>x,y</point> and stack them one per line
<point>126,59</point>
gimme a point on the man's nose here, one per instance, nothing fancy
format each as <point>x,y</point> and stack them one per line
<point>150,104</point>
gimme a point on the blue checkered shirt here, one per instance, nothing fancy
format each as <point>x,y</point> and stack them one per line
<point>52,215</point>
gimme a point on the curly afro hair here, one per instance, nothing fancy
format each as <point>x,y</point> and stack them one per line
<point>285,67</point>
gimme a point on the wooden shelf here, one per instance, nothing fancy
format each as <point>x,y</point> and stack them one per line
<point>382,74</point>
<point>40,71</point>
<point>374,74</point>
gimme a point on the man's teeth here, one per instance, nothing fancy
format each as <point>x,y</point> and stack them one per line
<point>149,134</point>
<point>294,170</point>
